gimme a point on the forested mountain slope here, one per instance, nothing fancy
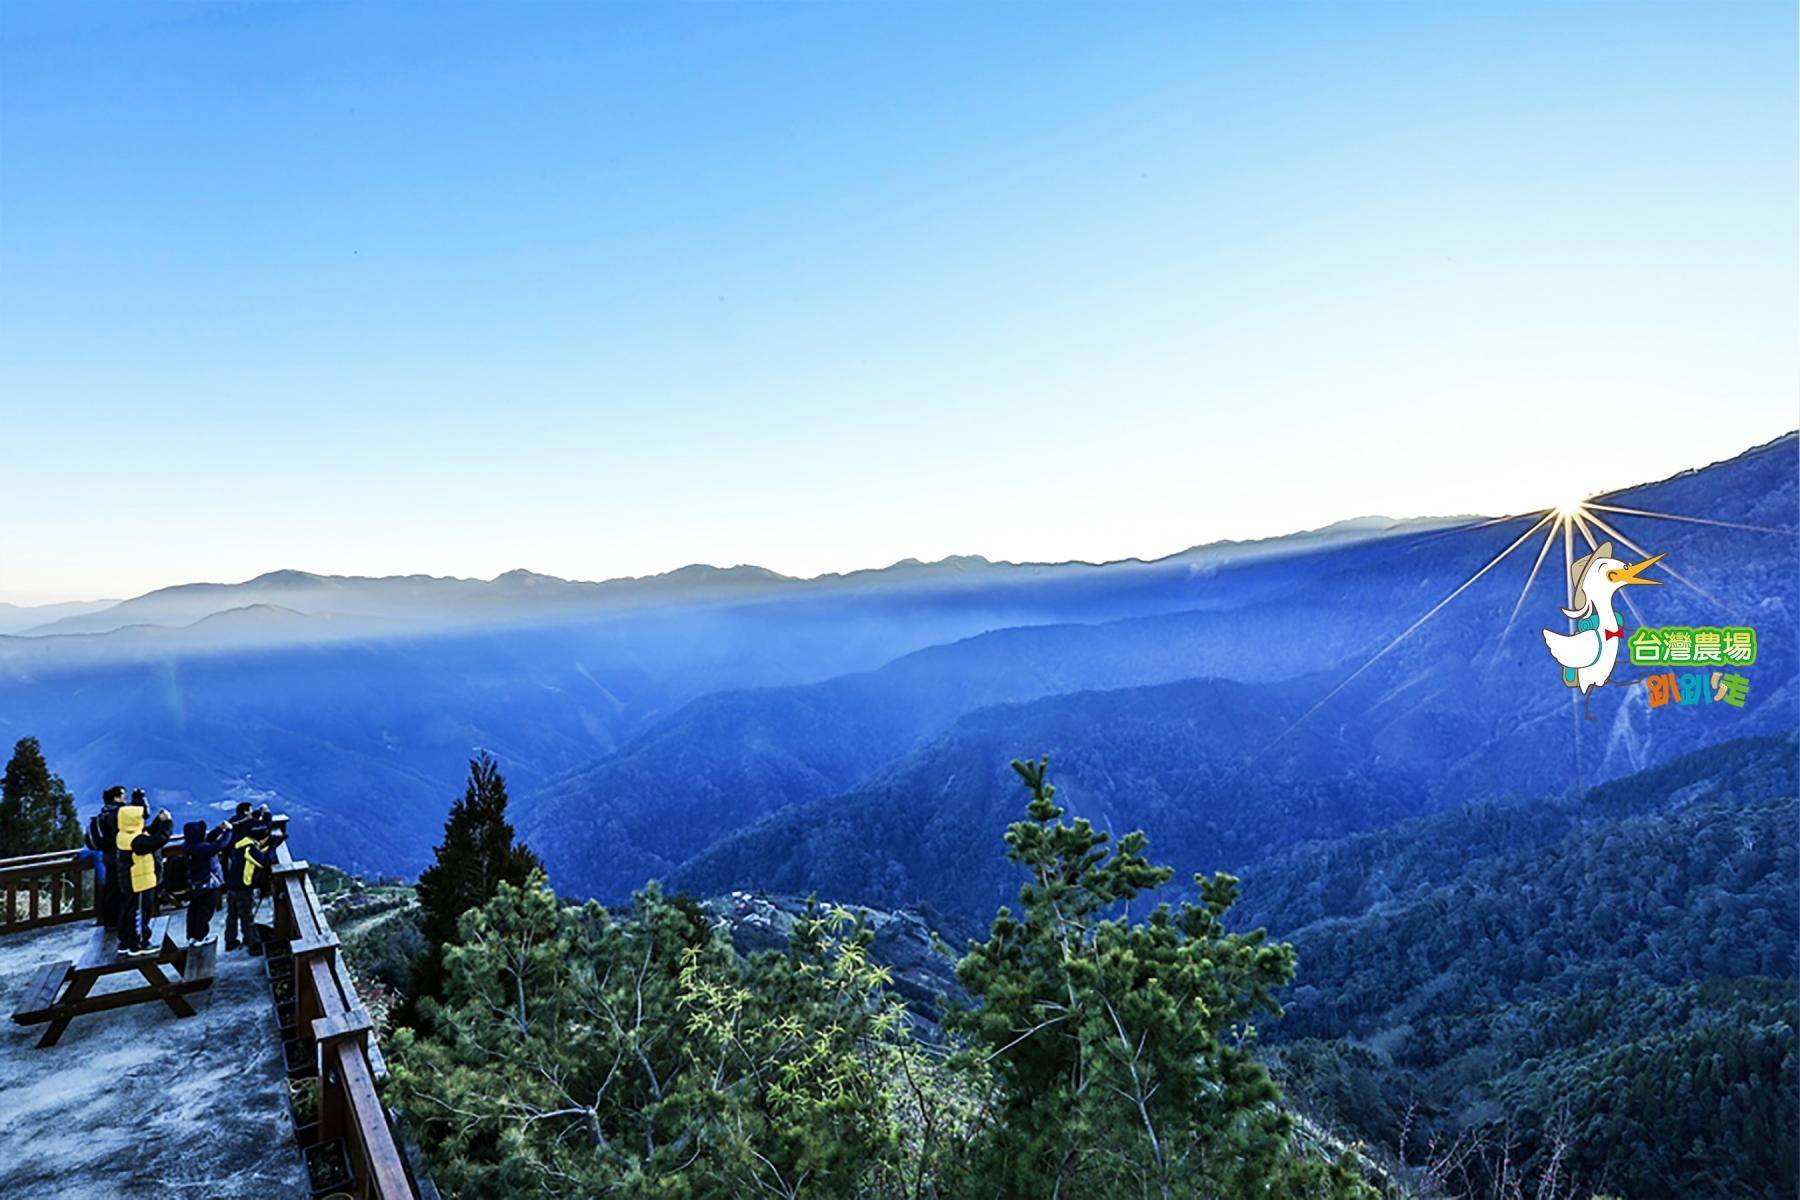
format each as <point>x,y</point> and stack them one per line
<point>1616,972</point>
<point>1168,759</point>
<point>1393,866</point>
<point>1468,706</point>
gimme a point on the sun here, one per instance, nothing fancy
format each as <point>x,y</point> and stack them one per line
<point>1563,522</point>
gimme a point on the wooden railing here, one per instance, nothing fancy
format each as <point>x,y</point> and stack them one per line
<point>49,889</point>
<point>57,887</point>
<point>45,889</point>
<point>327,1008</point>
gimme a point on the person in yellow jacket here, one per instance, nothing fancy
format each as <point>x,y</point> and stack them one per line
<point>140,871</point>
<point>252,858</point>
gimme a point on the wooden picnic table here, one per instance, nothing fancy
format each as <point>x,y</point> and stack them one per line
<point>171,975</point>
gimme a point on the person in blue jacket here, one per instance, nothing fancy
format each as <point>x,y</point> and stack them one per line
<point>101,843</point>
<point>252,856</point>
<point>201,850</point>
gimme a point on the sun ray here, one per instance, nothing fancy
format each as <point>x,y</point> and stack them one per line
<point>1569,591</point>
<point>1622,593</point>
<point>1581,528</point>
<point>1644,512</point>
<point>1569,569</point>
<point>1536,512</point>
<point>1406,633</point>
<point>1575,741</point>
<point>1472,526</point>
<point>1673,573</point>
<point>1543,552</point>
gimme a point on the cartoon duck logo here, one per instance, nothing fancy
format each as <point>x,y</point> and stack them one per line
<point>1587,655</point>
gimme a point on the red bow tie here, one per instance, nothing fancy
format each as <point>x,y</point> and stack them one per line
<point>1614,633</point>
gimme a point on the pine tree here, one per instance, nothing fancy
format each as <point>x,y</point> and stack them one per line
<point>580,1052</point>
<point>1122,1052</point>
<point>577,1052</point>
<point>37,813</point>
<point>477,855</point>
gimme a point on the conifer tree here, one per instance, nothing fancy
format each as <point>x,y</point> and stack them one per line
<point>477,855</point>
<point>37,813</point>
<point>1121,1050</point>
<point>577,1052</point>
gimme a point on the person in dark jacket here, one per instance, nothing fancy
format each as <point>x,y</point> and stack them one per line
<point>200,852</point>
<point>241,819</point>
<point>102,840</point>
<point>140,849</point>
<point>252,857</point>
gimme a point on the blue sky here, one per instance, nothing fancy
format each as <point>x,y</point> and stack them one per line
<point>602,290</point>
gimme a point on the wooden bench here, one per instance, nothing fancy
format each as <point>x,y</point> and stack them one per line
<point>103,946</point>
<point>193,969</point>
<point>41,993</point>
<point>202,960</point>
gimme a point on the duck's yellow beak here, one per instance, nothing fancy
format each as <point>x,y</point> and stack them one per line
<point>1625,575</point>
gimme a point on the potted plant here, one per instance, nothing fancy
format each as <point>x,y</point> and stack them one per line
<point>302,1062</point>
<point>328,1168</point>
<point>303,1099</point>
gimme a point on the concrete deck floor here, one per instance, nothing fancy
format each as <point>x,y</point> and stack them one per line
<point>136,1102</point>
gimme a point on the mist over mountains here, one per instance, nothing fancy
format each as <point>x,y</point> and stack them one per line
<point>357,605</point>
<point>26,618</point>
<point>1199,726</point>
<point>729,727</point>
<point>333,696</point>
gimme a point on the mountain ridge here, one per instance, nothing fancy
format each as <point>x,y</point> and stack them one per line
<point>168,600</point>
<point>347,716</point>
<point>755,754</point>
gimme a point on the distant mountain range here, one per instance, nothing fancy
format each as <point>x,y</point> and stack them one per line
<point>851,733</point>
<point>408,604</point>
<point>892,788</point>
<point>355,703</point>
<point>22,618</point>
